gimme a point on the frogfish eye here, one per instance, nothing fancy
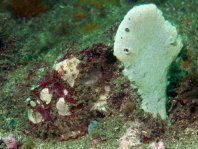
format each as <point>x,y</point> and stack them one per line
<point>126,51</point>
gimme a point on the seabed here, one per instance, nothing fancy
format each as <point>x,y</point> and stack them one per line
<point>101,109</point>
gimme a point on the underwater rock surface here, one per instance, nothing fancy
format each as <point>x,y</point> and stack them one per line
<point>33,42</point>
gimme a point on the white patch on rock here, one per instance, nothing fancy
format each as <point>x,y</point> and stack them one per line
<point>101,104</point>
<point>34,116</point>
<point>158,145</point>
<point>92,78</point>
<point>45,95</point>
<point>65,92</point>
<point>32,103</point>
<point>131,138</point>
<point>28,100</point>
<point>67,69</point>
<point>147,44</point>
<point>38,102</point>
<point>62,107</point>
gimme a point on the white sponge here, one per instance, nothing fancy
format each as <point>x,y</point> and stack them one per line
<point>147,44</point>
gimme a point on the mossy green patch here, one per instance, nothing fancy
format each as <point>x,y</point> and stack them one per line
<point>109,128</point>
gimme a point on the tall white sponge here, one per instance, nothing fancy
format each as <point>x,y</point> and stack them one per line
<point>147,44</point>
